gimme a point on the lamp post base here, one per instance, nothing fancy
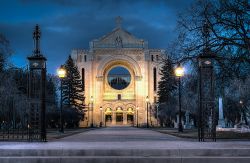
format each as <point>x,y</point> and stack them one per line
<point>61,130</point>
<point>180,128</point>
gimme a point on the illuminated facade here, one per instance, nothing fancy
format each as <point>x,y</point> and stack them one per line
<point>119,72</point>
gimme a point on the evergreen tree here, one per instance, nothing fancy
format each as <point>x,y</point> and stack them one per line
<point>51,90</point>
<point>72,93</point>
<point>168,83</point>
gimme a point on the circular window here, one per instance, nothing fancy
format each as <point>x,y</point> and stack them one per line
<point>119,78</point>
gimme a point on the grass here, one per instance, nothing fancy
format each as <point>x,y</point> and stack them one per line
<point>53,134</point>
<point>193,133</point>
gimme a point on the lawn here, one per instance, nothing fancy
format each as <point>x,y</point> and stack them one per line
<point>193,133</point>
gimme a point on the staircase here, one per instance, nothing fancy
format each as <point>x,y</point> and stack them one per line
<point>125,156</point>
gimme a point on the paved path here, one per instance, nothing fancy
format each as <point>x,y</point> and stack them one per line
<point>124,138</point>
<point>119,134</point>
<point>123,145</point>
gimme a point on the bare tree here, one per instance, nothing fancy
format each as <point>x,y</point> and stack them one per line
<point>5,51</point>
<point>227,24</point>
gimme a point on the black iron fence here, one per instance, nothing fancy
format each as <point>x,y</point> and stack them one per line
<point>18,121</point>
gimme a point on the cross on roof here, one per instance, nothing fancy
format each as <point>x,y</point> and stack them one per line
<point>118,21</point>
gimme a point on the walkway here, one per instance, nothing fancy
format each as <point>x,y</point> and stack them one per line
<point>123,138</point>
<point>119,134</point>
<point>123,145</point>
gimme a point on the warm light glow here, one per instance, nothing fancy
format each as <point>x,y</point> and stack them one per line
<point>119,109</point>
<point>147,99</point>
<point>108,111</point>
<point>61,72</point>
<point>137,108</point>
<point>91,99</point>
<point>179,71</point>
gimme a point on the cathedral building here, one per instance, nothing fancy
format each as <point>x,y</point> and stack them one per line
<point>120,75</point>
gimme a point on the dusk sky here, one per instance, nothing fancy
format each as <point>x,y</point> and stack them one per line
<point>69,24</point>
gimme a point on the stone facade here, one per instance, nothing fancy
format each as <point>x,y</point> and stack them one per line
<point>119,106</point>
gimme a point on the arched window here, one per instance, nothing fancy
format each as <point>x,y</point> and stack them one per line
<point>155,79</point>
<point>83,79</point>
<point>119,78</point>
<point>85,58</point>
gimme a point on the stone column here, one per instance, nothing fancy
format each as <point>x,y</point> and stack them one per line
<point>125,117</point>
<point>113,118</point>
<point>134,119</point>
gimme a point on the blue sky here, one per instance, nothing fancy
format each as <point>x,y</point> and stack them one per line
<point>68,24</point>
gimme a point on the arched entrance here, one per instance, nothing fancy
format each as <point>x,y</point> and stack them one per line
<point>119,116</point>
<point>130,116</point>
<point>119,90</point>
<point>108,116</point>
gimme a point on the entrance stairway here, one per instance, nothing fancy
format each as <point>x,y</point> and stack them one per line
<point>125,156</point>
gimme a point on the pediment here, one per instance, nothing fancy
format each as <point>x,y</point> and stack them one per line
<point>118,38</point>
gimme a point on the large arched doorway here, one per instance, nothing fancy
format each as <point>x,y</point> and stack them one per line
<point>130,116</point>
<point>119,116</point>
<point>108,116</point>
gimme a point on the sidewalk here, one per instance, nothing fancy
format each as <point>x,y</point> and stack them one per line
<point>125,145</point>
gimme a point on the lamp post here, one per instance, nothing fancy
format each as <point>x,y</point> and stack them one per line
<point>137,116</point>
<point>147,101</point>
<point>92,108</point>
<point>179,72</point>
<point>88,116</point>
<point>243,113</point>
<point>101,117</point>
<point>241,117</point>
<point>61,72</point>
<point>157,113</point>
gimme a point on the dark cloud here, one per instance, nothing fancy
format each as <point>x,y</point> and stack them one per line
<point>72,24</point>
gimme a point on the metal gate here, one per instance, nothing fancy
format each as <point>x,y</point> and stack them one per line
<point>207,118</point>
<point>26,122</point>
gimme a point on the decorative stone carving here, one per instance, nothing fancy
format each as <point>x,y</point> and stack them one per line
<point>99,78</point>
<point>138,58</point>
<point>98,58</point>
<point>118,42</point>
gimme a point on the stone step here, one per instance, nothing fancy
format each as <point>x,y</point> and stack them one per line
<point>127,152</point>
<point>123,159</point>
<point>125,155</point>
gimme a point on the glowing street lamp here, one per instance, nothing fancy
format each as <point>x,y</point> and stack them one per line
<point>179,72</point>
<point>61,72</point>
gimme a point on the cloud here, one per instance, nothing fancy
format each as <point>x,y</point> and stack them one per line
<point>72,24</point>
